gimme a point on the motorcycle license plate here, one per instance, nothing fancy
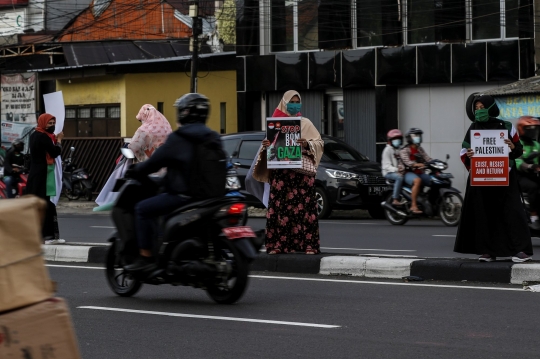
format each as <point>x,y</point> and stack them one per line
<point>377,190</point>
<point>238,232</point>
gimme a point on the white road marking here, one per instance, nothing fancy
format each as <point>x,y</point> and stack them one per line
<point>345,222</point>
<point>110,227</point>
<point>342,281</point>
<point>444,235</point>
<point>386,283</point>
<point>367,249</point>
<point>232,319</point>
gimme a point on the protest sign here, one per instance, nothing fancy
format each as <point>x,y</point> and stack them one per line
<point>284,150</point>
<point>54,104</point>
<point>490,163</point>
<point>18,105</point>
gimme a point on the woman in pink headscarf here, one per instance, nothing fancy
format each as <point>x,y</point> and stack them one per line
<point>153,132</point>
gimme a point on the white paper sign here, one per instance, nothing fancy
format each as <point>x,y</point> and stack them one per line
<point>54,104</point>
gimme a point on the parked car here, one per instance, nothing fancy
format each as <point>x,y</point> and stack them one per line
<point>345,179</point>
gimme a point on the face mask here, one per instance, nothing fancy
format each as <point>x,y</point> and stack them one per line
<point>294,108</point>
<point>50,129</point>
<point>396,143</point>
<point>482,115</point>
<point>417,140</point>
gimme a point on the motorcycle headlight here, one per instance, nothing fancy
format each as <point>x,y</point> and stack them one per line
<point>342,174</point>
<point>439,165</point>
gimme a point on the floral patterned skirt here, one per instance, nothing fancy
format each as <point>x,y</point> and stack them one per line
<point>291,220</point>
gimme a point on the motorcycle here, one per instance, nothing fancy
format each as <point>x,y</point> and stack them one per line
<point>204,244</point>
<point>525,198</point>
<point>76,182</point>
<point>21,186</point>
<point>439,198</point>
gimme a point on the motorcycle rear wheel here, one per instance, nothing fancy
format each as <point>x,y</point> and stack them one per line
<point>71,194</point>
<point>450,209</point>
<point>232,291</point>
<point>121,283</point>
<point>394,218</point>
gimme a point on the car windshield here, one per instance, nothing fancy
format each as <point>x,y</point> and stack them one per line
<point>340,151</point>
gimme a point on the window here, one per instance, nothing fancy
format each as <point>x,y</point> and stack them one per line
<point>249,149</point>
<point>160,107</point>
<point>435,21</point>
<point>230,146</point>
<point>223,116</point>
<point>294,25</point>
<point>92,121</point>
<point>339,151</point>
<point>488,23</point>
<point>379,23</point>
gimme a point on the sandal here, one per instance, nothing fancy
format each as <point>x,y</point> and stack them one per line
<point>416,211</point>
<point>311,251</point>
<point>275,251</point>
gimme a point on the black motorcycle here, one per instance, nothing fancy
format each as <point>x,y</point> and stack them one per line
<point>204,244</point>
<point>440,198</point>
<point>76,182</point>
<point>530,160</point>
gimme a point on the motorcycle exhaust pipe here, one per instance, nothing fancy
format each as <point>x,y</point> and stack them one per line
<point>392,209</point>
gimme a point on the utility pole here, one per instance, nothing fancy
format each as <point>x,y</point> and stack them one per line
<point>196,27</point>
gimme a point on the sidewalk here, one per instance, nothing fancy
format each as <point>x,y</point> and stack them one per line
<point>347,265</point>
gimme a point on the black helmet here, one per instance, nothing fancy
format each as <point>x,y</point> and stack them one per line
<point>413,131</point>
<point>18,141</point>
<point>192,108</point>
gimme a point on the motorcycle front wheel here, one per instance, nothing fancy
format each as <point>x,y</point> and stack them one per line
<point>229,289</point>
<point>121,282</point>
<point>450,209</point>
<point>72,195</point>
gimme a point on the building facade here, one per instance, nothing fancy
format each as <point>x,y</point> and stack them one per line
<point>365,67</point>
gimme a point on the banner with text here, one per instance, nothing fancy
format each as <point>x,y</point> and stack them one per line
<point>512,107</point>
<point>18,111</point>
<point>490,163</point>
<point>284,151</point>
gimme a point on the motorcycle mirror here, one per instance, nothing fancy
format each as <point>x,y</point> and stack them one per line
<point>447,157</point>
<point>72,149</point>
<point>127,153</point>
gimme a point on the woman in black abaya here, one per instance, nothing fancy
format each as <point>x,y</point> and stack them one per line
<point>493,221</point>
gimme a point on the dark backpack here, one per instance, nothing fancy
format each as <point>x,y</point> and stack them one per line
<point>208,170</point>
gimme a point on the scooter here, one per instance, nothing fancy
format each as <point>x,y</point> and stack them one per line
<point>21,186</point>
<point>76,182</point>
<point>204,244</point>
<point>440,198</point>
<point>525,198</point>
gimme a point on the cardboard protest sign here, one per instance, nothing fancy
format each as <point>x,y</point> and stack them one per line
<point>490,163</point>
<point>284,151</point>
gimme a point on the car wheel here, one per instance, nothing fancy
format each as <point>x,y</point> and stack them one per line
<point>323,207</point>
<point>377,212</point>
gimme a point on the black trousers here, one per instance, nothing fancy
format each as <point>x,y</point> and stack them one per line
<point>50,229</point>
<point>529,184</point>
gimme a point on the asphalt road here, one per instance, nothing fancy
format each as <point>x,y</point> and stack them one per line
<point>320,317</point>
<point>427,238</point>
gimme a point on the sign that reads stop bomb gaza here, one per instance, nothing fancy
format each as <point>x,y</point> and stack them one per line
<point>490,163</point>
<point>284,150</point>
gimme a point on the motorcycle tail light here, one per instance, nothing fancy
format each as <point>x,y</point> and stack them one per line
<point>237,209</point>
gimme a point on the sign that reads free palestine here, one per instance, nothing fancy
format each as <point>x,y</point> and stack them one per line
<point>490,163</point>
<point>284,151</point>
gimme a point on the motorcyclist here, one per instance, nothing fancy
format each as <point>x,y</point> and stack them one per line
<point>529,128</point>
<point>413,172</point>
<point>175,155</point>
<point>391,162</point>
<point>13,166</point>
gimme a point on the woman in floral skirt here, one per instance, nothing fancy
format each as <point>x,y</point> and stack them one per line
<point>291,220</point>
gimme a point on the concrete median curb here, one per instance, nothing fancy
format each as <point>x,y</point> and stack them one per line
<point>347,265</point>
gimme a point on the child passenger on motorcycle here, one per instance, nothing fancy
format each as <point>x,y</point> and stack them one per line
<point>391,163</point>
<point>413,156</point>
<point>529,129</point>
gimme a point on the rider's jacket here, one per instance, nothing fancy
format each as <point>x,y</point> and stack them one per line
<point>528,148</point>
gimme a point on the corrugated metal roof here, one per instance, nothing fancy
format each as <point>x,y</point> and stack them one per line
<point>526,86</point>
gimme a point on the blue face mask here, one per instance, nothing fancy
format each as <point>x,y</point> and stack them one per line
<point>417,140</point>
<point>396,143</point>
<point>294,108</point>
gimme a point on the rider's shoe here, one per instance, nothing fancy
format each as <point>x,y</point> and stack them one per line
<point>142,264</point>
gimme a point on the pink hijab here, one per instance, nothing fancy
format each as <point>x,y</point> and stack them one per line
<point>151,134</point>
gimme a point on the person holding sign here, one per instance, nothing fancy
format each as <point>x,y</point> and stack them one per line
<point>291,220</point>
<point>528,165</point>
<point>45,146</point>
<point>493,223</point>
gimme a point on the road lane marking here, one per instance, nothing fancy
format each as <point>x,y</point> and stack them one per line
<point>379,250</point>
<point>346,222</point>
<point>359,281</point>
<point>194,316</point>
<point>385,283</point>
<point>109,227</point>
<point>444,235</point>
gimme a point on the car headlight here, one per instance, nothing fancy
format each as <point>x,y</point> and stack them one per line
<point>342,174</point>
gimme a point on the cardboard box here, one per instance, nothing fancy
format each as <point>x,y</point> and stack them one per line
<point>40,331</point>
<point>24,279</point>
